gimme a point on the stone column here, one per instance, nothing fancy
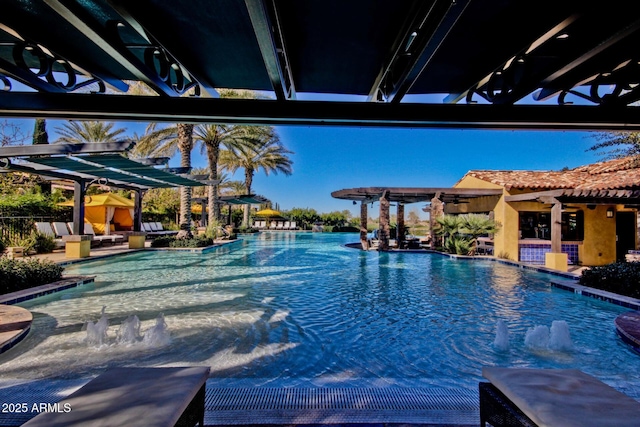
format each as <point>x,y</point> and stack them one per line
<point>364,216</point>
<point>384,222</point>
<point>437,211</point>
<point>400,226</point>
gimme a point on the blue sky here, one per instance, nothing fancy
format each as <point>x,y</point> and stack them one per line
<point>333,158</point>
<point>327,159</point>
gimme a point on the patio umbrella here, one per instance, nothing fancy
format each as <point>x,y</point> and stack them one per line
<point>268,214</point>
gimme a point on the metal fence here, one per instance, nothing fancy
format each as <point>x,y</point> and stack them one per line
<point>20,227</point>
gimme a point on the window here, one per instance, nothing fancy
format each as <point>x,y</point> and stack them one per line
<point>537,225</point>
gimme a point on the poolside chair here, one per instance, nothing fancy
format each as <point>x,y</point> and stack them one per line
<point>61,229</point>
<point>272,226</point>
<point>293,226</point>
<point>162,230</point>
<point>286,226</point>
<point>45,228</point>
<point>113,238</point>
<point>280,225</point>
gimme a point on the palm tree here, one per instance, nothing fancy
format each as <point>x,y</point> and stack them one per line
<point>448,226</point>
<point>476,225</point>
<point>260,149</point>
<point>76,132</point>
<point>212,137</point>
<point>166,142</point>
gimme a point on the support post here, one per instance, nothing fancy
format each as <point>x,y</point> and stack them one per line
<point>400,226</point>
<point>203,217</point>
<point>78,207</point>
<point>137,210</point>
<point>384,222</point>
<point>364,216</point>
<point>556,227</point>
<point>556,259</point>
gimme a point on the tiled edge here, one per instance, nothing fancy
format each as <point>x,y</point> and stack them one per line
<point>196,250</point>
<point>96,257</point>
<point>598,294</point>
<point>15,340</point>
<point>38,291</point>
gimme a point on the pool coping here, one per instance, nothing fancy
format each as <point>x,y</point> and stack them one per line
<point>566,280</point>
<point>49,288</point>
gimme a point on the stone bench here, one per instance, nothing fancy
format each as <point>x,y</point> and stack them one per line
<point>552,397</point>
<point>159,397</point>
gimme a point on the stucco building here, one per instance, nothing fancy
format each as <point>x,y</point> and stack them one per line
<point>582,216</point>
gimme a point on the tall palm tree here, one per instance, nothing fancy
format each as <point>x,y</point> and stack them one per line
<point>166,142</point>
<point>212,137</point>
<point>261,149</point>
<point>79,132</point>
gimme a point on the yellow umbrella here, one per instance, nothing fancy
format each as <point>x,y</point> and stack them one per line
<point>267,213</point>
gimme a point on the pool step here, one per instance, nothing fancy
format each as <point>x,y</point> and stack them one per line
<point>295,406</point>
<point>230,406</point>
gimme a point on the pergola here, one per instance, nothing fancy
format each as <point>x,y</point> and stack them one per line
<point>86,164</point>
<point>499,64</point>
<point>409,63</point>
<point>402,196</point>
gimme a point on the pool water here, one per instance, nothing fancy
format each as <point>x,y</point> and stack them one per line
<point>299,308</point>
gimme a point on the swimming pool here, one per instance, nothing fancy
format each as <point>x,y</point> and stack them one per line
<point>299,308</point>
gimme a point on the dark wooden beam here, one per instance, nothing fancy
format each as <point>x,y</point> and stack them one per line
<point>319,113</point>
<point>59,149</point>
<point>271,43</point>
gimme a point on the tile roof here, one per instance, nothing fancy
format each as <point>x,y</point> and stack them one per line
<point>612,174</point>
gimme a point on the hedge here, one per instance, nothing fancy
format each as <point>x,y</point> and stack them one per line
<point>18,274</point>
<point>622,278</point>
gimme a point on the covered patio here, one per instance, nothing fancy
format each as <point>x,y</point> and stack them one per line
<point>401,197</point>
<point>89,164</point>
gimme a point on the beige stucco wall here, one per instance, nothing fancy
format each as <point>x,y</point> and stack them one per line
<point>599,245</point>
<point>506,240</point>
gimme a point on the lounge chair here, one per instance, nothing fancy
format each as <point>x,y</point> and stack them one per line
<point>45,228</point>
<point>61,229</point>
<point>272,226</point>
<point>161,229</point>
<point>280,226</point>
<point>286,225</point>
<point>293,226</point>
<point>113,238</point>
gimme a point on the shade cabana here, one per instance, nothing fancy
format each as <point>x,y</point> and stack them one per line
<point>107,212</point>
<point>87,164</point>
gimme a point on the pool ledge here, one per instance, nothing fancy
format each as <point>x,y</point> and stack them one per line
<point>38,291</point>
<point>15,325</point>
<point>203,250</point>
<point>599,294</point>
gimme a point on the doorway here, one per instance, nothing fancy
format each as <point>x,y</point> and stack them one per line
<point>626,230</point>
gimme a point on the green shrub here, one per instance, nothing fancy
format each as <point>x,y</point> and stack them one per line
<point>172,242</point>
<point>28,243</point>
<point>44,244</point>
<point>196,242</point>
<point>2,246</point>
<point>18,274</point>
<point>162,242</point>
<point>621,278</point>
